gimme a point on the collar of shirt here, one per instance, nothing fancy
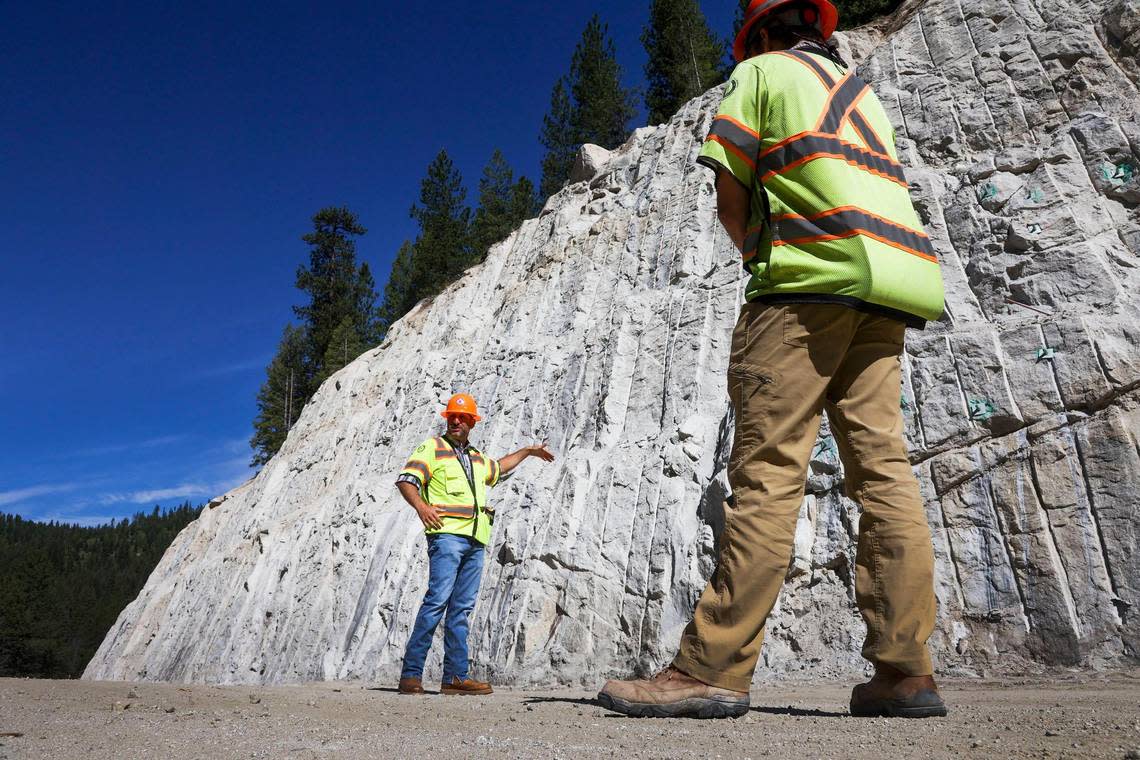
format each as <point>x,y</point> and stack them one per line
<point>456,445</point>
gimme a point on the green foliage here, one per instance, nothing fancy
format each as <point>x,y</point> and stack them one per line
<point>853,13</point>
<point>345,345</point>
<point>339,320</point>
<point>443,248</point>
<point>558,138</point>
<point>400,294</point>
<point>446,245</point>
<point>503,205</point>
<point>602,107</point>
<point>524,202</point>
<point>588,105</point>
<point>63,586</point>
<point>685,58</point>
<point>282,395</point>
<point>336,287</point>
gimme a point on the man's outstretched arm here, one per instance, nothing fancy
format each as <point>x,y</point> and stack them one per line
<point>511,461</point>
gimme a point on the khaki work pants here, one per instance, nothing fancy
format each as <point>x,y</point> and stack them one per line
<point>788,364</point>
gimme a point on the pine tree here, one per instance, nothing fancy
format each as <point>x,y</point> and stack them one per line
<point>282,395</point>
<point>336,287</point>
<point>853,13</point>
<point>558,139</point>
<point>341,309</point>
<point>492,217</point>
<point>346,344</point>
<point>400,294</point>
<point>602,107</point>
<point>503,204</point>
<point>443,248</point>
<point>589,105</point>
<point>524,204</point>
<point>685,58</point>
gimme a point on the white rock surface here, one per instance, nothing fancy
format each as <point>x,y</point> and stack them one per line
<point>589,161</point>
<point>603,326</point>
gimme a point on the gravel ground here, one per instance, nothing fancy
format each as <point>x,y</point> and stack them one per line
<point>1071,715</point>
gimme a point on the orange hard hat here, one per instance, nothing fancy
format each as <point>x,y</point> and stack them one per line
<point>826,20</point>
<point>461,403</point>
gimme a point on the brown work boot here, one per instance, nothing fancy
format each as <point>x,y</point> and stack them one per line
<point>893,694</point>
<point>410,686</point>
<point>466,686</point>
<point>672,694</point>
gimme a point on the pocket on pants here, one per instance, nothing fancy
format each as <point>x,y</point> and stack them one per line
<point>750,392</point>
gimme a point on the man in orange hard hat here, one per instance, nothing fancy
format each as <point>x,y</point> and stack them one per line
<point>446,480</point>
<point>810,190</point>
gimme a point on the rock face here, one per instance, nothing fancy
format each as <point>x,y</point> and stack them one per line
<point>603,327</point>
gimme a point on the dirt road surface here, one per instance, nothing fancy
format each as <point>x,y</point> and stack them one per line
<point>1069,716</point>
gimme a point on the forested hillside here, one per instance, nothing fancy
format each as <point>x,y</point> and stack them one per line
<point>62,586</point>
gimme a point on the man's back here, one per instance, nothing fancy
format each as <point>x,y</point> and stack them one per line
<point>832,218</point>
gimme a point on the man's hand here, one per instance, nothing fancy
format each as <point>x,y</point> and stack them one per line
<point>429,515</point>
<point>539,450</point>
<point>511,461</point>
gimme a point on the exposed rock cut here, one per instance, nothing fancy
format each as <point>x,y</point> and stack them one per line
<point>603,326</point>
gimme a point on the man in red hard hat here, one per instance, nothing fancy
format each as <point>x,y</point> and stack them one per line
<point>810,190</point>
<point>446,481</point>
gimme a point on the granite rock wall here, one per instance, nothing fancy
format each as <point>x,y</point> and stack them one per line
<point>603,327</point>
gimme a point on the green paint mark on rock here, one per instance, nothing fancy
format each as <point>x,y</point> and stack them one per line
<point>1118,174</point>
<point>981,409</point>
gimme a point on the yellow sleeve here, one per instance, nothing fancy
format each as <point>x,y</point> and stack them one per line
<point>493,471</point>
<point>421,462</point>
<point>734,140</point>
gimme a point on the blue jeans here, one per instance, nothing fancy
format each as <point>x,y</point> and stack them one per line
<point>456,565</point>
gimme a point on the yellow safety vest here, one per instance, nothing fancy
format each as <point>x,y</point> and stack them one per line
<point>462,503</point>
<point>831,219</point>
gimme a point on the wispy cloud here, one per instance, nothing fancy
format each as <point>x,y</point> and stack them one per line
<point>236,446</point>
<point>17,495</point>
<point>118,448</point>
<point>235,368</point>
<point>148,496</point>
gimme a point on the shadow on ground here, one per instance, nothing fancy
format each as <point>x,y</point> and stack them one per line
<point>568,700</point>
<point>799,712</point>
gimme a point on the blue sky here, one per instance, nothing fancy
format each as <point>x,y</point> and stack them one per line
<point>158,165</point>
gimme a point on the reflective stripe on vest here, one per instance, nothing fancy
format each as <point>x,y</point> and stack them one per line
<point>860,123</point>
<point>737,137</point>
<point>847,221</point>
<point>453,511</point>
<point>824,142</point>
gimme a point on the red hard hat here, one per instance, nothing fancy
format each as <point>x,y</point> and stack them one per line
<point>758,9</point>
<point>461,403</point>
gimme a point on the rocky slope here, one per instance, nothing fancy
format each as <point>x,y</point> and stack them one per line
<point>603,327</point>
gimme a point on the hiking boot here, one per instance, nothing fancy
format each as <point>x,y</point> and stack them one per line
<point>672,694</point>
<point>410,686</point>
<point>893,694</point>
<point>466,686</point>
